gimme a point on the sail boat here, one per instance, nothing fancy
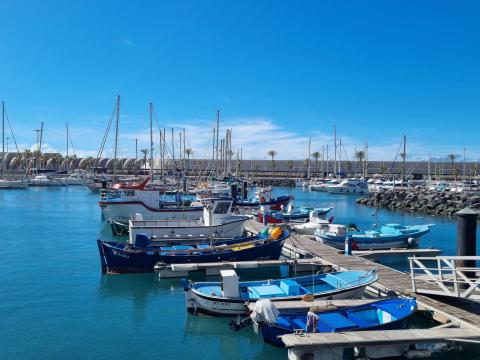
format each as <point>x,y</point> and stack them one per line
<point>8,183</point>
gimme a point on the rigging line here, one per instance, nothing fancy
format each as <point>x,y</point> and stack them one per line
<point>396,156</point>
<point>71,143</point>
<point>105,136</point>
<point>14,139</point>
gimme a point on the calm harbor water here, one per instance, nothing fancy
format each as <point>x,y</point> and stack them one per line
<point>55,303</point>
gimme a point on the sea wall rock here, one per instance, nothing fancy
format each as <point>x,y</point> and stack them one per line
<point>422,200</point>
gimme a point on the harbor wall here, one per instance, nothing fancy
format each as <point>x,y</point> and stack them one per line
<point>422,200</point>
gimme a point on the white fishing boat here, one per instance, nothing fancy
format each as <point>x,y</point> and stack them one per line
<point>322,185</point>
<point>230,296</point>
<point>13,184</point>
<point>349,186</point>
<point>217,222</point>
<point>77,178</point>
<point>127,200</point>
<point>44,180</point>
<point>315,222</point>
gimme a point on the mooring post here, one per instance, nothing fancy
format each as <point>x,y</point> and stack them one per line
<point>348,245</point>
<point>245,190</point>
<point>467,239</point>
<point>233,191</point>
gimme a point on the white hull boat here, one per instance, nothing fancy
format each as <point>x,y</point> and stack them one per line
<point>229,297</point>
<point>13,184</point>
<point>217,222</point>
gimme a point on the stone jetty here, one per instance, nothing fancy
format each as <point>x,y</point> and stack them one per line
<point>422,200</point>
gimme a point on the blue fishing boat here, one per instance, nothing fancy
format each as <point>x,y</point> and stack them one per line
<point>230,296</point>
<point>142,257</point>
<point>386,314</point>
<point>386,237</point>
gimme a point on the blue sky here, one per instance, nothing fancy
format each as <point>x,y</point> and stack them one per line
<point>279,71</point>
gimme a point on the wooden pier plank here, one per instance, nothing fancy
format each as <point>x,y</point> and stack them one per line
<point>368,338</point>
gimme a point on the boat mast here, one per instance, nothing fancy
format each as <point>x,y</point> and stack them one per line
<point>67,139</point>
<point>404,157</point>
<point>335,152</point>
<point>429,174</point>
<point>309,154</point>
<point>3,137</point>
<point>116,135</point>
<point>464,168</point>
<point>216,148</point>
<point>151,143</point>
<point>328,163</point>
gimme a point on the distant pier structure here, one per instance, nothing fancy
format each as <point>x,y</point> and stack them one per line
<point>265,168</point>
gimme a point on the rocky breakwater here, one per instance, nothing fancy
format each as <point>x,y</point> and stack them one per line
<point>422,200</point>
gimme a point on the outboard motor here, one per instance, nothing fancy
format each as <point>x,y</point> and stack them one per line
<point>245,190</point>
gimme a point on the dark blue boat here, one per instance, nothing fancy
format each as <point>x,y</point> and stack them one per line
<point>126,258</point>
<point>274,203</point>
<point>384,314</point>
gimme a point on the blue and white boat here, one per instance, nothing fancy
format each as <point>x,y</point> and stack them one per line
<point>386,237</point>
<point>230,296</point>
<point>143,255</point>
<point>386,314</point>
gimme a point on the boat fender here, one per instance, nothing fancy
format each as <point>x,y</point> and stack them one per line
<point>276,233</point>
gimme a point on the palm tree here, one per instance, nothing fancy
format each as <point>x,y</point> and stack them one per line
<point>452,157</point>
<point>360,156</point>
<point>316,155</point>
<point>290,164</point>
<point>144,152</point>
<point>26,156</point>
<point>188,152</point>
<point>383,168</point>
<point>272,154</point>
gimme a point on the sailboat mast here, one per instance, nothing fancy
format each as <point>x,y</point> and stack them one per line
<point>151,143</point>
<point>216,148</point>
<point>41,138</point>
<point>404,157</point>
<point>67,139</point>
<point>335,152</point>
<point>3,136</point>
<point>116,134</point>
<point>309,154</point>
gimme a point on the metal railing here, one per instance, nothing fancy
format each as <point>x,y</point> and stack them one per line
<point>446,275</point>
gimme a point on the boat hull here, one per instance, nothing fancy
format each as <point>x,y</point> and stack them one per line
<point>271,333</point>
<point>115,259</point>
<point>363,244</point>
<point>275,204</point>
<point>197,302</point>
<point>123,211</point>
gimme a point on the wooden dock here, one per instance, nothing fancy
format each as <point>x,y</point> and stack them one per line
<point>183,270</point>
<point>464,313</point>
